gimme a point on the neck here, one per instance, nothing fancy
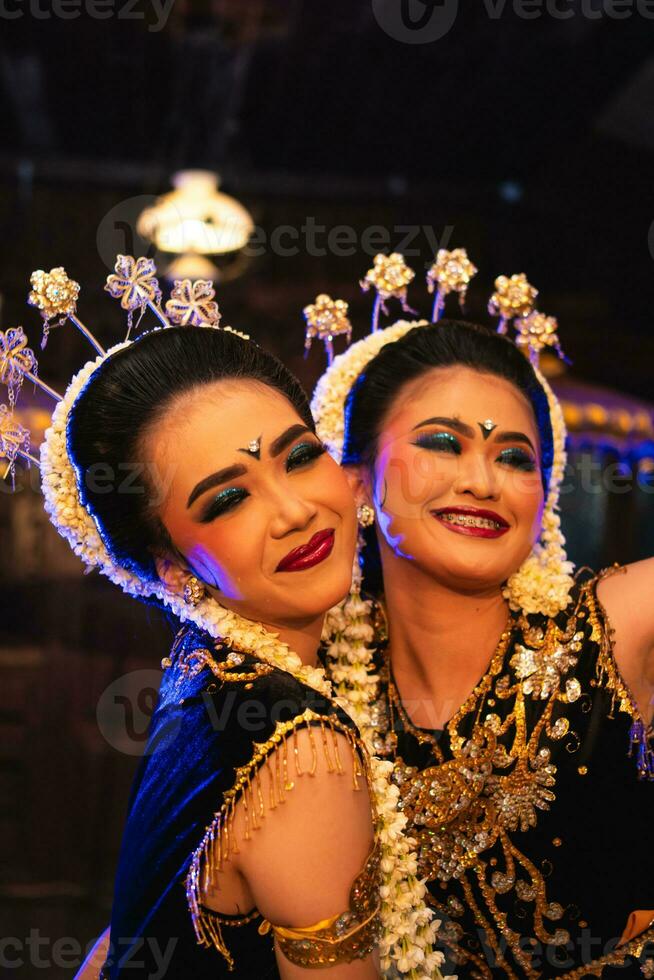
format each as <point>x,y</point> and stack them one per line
<point>441,639</point>
<point>303,637</point>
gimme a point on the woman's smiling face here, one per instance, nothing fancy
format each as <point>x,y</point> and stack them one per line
<point>457,484</point>
<point>248,484</point>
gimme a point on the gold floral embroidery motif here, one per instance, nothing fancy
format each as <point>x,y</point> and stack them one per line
<point>501,777</point>
<point>633,948</point>
<point>226,670</point>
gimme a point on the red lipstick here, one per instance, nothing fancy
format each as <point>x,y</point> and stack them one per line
<point>472,521</point>
<point>307,555</point>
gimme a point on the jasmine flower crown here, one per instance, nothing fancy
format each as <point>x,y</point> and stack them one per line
<point>543,582</point>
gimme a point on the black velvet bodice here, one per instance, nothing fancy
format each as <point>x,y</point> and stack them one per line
<point>202,730</point>
<point>534,824</point>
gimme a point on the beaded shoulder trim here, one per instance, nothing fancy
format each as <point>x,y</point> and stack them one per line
<point>220,840</point>
<point>641,735</point>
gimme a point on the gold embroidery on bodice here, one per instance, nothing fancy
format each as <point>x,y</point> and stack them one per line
<point>498,778</point>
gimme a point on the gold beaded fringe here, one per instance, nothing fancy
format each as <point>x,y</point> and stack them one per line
<point>220,840</point>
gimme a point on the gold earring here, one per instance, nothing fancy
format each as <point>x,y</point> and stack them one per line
<point>194,591</point>
<point>365,515</point>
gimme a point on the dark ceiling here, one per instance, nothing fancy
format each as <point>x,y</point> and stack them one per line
<point>530,141</point>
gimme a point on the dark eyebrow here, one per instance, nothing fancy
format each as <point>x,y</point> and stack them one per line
<point>466,430</point>
<point>515,437</point>
<point>455,424</point>
<point>222,476</point>
<point>279,444</point>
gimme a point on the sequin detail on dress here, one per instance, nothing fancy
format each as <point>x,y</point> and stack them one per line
<point>475,796</point>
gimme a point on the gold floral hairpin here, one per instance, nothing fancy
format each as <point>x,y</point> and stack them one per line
<point>326,318</point>
<point>192,304</point>
<point>389,276</point>
<point>134,282</point>
<point>450,272</point>
<point>55,295</point>
<point>15,441</point>
<point>17,361</point>
<point>514,297</point>
<point>17,364</point>
<point>537,331</point>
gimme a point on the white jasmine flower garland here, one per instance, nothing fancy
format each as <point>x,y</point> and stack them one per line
<point>543,582</point>
<point>409,930</point>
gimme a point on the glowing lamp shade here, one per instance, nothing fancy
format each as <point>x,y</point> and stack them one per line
<point>196,220</point>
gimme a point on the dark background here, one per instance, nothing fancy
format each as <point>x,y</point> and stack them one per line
<point>529,142</point>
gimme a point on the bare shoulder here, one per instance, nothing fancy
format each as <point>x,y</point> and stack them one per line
<point>299,834</point>
<point>627,596</point>
<point>321,832</point>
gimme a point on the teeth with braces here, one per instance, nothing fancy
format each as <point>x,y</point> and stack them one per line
<point>465,520</point>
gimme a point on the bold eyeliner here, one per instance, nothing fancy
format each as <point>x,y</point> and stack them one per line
<point>225,501</point>
<point>446,442</point>
<point>304,453</point>
<point>443,441</point>
<point>230,498</point>
<point>518,459</point>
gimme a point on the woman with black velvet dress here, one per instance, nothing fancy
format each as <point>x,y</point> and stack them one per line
<point>186,467</point>
<point>514,701</point>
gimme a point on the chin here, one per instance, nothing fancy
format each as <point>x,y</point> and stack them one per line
<point>330,596</point>
<point>468,576</point>
<point>306,602</point>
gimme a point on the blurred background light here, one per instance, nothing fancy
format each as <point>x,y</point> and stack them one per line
<point>196,221</point>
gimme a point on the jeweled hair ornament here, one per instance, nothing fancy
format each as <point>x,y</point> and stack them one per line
<point>543,582</point>
<point>55,295</point>
<point>17,364</point>
<point>514,297</point>
<point>450,272</point>
<point>326,318</point>
<point>389,277</point>
<point>134,283</point>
